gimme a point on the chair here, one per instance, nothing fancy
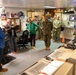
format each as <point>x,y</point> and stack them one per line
<point>23,39</point>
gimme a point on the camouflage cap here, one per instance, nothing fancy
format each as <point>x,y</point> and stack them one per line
<point>47,15</point>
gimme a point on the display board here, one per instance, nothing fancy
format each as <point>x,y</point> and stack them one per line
<point>68,20</point>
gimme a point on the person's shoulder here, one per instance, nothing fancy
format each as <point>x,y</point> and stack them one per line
<point>49,21</point>
<point>43,21</point>
<point>34,23</point>
<point>28,24</point>
<point>0,28</point>
<point>59,20</point>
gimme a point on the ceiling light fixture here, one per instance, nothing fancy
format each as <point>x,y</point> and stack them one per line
<point>74,1</point>
<point>49,7</point>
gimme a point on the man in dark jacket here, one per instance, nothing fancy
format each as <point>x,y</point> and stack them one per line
<point>12,36</point>
<point>2,44</point>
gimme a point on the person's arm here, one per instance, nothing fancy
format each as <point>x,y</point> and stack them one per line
<point>59,23</point>
<point>2,35</point>
<point>27,28</point>
<point>37,27</point>
<point>51,26</point>
<point>43,23</point>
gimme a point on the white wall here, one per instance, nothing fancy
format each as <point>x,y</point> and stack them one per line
<point>1,3</point>
<point>14,10</point>
<point>40,13</point>
<point>23,22</point>
<point>35,13</point>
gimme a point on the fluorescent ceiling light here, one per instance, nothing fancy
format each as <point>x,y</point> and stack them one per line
<point>49,7</point>
<point>74,1</point>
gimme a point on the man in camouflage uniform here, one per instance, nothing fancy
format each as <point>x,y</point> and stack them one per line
<point>47,27</point>
<point>56,29</point>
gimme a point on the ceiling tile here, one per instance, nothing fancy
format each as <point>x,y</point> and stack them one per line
<point>39,3</point>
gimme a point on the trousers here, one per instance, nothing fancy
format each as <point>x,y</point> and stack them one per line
<point>47,40</point>
<point>1,56</point>
<point>32,39</point>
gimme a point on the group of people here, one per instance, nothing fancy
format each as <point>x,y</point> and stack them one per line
<point>8,35</point>
<point>45,29</point>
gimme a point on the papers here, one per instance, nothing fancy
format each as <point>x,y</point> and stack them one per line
<point>48,70</point>
<point>57,63</point>
<point>56,54</point>
<point>61,53</point>
<point>51,68</point>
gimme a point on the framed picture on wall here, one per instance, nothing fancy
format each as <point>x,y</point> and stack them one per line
<point>18,21</point>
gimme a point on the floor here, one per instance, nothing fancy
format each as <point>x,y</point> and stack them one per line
<point>26,58</point>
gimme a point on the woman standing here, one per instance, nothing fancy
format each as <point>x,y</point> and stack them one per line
<point>32,29</point>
